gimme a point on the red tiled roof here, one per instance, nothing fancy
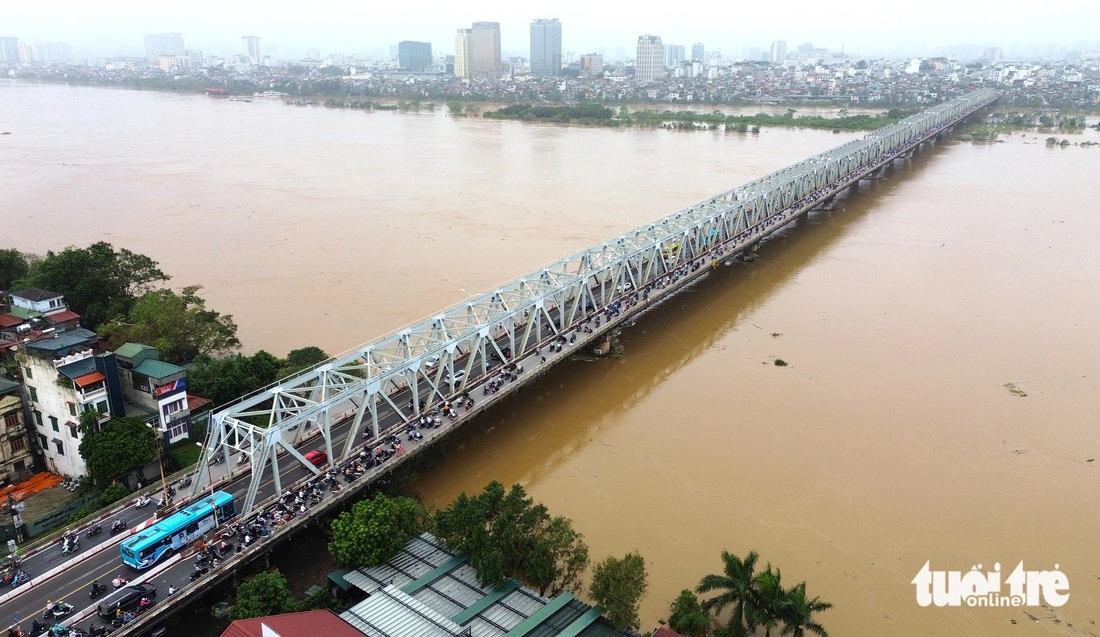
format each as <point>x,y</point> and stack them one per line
<point>88,379</point>
<point>307,624</point>
<point>9,320</point>
<point>61,317</point>
<point>195,402</point>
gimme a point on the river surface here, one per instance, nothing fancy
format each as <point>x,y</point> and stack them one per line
<point>889,440</point>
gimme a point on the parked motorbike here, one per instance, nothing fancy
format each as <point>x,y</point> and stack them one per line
<point>95,530</point>
<point>118,526</point>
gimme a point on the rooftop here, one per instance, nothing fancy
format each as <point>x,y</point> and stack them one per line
<point>10,320</point>
<point>315,622</point>
<point>35,294</point>
<point>61,317</point>
<point>7,386</point>
<point>62,343</point>
<point>157,369</point>
<point>132,350</point>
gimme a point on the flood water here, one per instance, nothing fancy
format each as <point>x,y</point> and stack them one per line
<point>889,440</point>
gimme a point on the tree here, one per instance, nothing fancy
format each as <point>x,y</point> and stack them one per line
<point>374,530</point>
<point>226,379</point>
<point>558,558</point>
<point>738,583</point>
<point>618,586</point>
<point>507,534</point>
<point>13,266</point>
<point>178,325</point>
<point>771,600</point>
<point>687,617</point>
<point>266,594</point>
<point>798,618</point>
<point>89,422</point>
<point>98,283</point>
<point>120,445</point>
<point>300,359</point>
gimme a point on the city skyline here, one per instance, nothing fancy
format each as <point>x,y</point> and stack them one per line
<point>854,26</point>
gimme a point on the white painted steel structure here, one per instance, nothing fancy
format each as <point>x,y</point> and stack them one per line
<point>392,376</point>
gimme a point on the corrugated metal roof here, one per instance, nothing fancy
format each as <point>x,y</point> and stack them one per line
<point>391,613</point>
<point>130,350</point>
<point>420,555</point>
<point>157,369</point>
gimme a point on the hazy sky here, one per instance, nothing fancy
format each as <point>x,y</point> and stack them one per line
<point>370,27</point>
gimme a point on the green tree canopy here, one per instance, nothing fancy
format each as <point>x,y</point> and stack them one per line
<point>267,594</point>
<point>178,325</point>
<point>14,266</point>
<point>687,617</point>
<point>300,359</point>
<point>98,282</point>
<point>618,586</point>
<point>507,534</point>
<point>798,618</point>
<point>120,445</point>
<point>225,379</point>
<point>374,530</point>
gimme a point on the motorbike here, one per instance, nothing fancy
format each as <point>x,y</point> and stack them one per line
<point>96,529</point>
<point>185,482</point>
<point>59,609</point>
<point>118,526</point>
<point>142,501</point>
<point>70,545</point>
<point>97,589</point>
<point>99,630</point>
<point>21,577</point>
<point>198,572</point>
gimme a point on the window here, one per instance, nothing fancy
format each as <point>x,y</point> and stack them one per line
<point>37,418</point>
<point>53,423</point>
<point>72,409</point>
<point>27,372</point>
<point>34,393</point>
<point>177,429</point>
<point>19,444</point>
<point>11,421</point>
<point>175,406</point>
<point>42,443</point>
<point>60,446</point>
<point>101,407</point>
<point>73,432</point>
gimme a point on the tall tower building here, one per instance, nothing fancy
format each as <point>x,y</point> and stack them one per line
<point>546,48</point>
<point>9,50</point>
<point>158,44</point>
<point>253,47</point>
<point>414,56</point>
<point>674,55</point>
<point>698,51</point>
<point>485,58</point>
<point>779,51</point>
<point>462,52</point>
<point>649,64</point>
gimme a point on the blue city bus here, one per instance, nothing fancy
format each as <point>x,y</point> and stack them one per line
<point>177,530</point>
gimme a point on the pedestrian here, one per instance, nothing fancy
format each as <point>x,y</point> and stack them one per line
<point>171,589</point>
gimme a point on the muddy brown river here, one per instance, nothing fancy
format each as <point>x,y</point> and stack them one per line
<point>907,318</point>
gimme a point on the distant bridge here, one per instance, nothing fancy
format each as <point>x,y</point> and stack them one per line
<point>394,379</point>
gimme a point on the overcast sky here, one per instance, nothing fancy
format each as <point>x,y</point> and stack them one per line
<point>860,27</point>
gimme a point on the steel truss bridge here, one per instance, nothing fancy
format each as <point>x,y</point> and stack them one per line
<point>399,375</point>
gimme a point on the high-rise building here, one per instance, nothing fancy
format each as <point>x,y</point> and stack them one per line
<point>253,47</point>
<point>462,52</point>
<point>414,56</point>
<point>546,48</point>
<point>674,55</point>
<point>485,60</point>
<point>592,63</point>
<point>158,44</point>
<point>779,51</point>
<point>698,52</point>
<point>9,50</point>
<point>649,64</point>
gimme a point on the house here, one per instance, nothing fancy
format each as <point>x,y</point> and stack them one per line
<point>314,622</point>
<point>154,390</point>
<point>62,377</point>
<point>15,454</point>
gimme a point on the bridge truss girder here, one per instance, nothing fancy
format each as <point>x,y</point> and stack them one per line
<point>519,317</point>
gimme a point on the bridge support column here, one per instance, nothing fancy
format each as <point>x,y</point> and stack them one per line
<point>748,255</point>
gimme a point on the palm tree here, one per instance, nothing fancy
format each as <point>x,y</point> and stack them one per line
<point>771,600</point>
<point>738,582</point>
<point>798,619</point>
<point>89,421</point>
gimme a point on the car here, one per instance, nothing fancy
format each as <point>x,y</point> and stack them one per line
<point>458,376</point>
<point>125,598</point>
<point>317,457</point>
<point>433,361</point>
